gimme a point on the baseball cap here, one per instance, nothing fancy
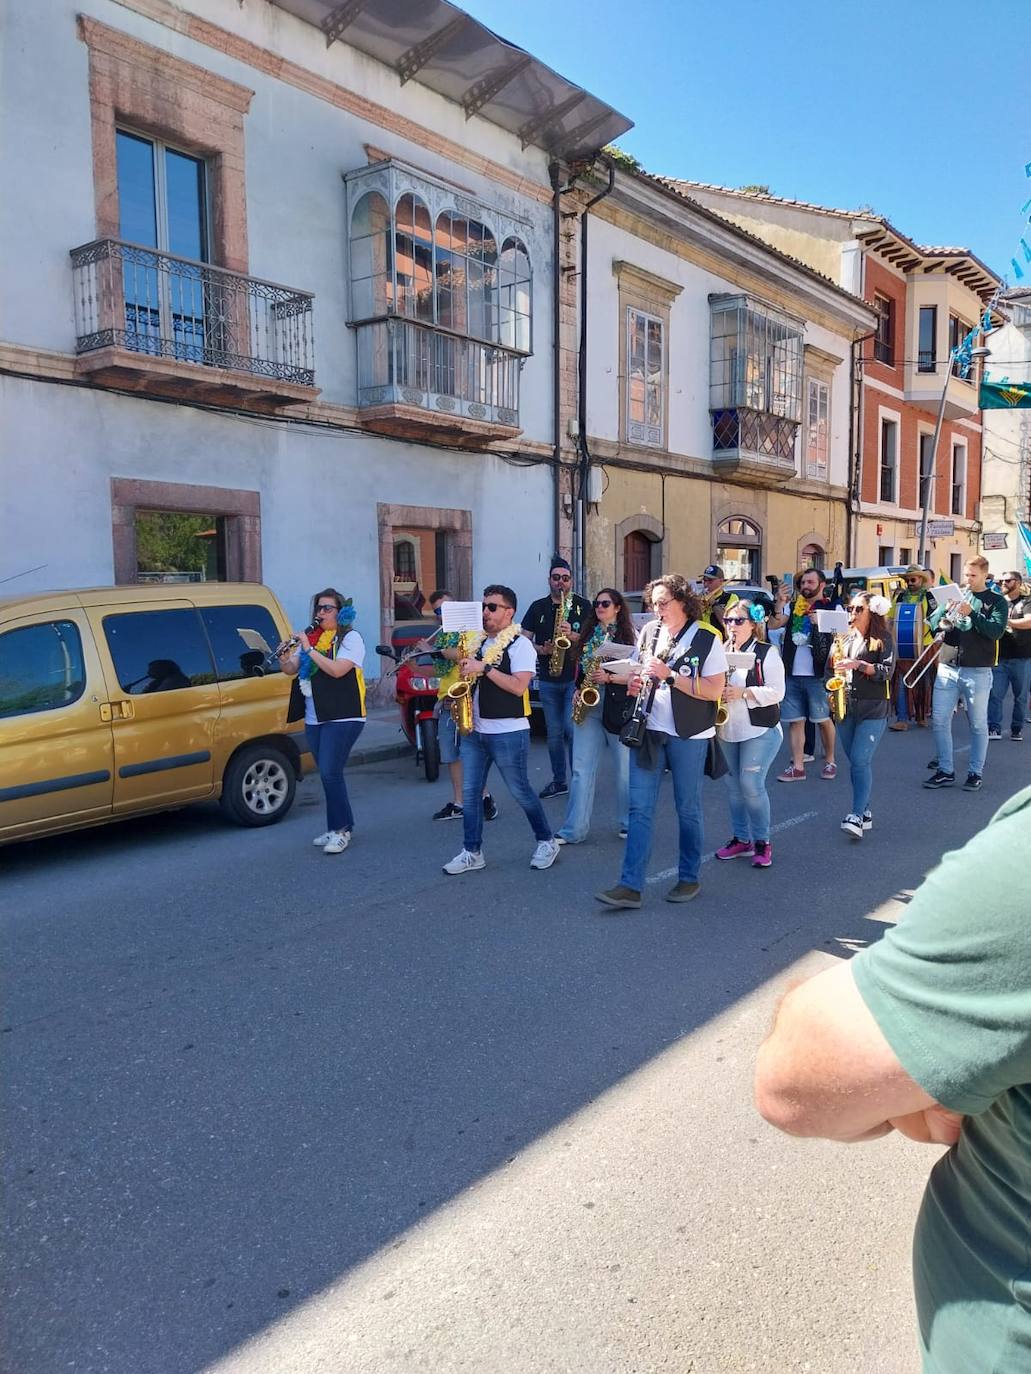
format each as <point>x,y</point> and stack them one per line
<point>713,570</point>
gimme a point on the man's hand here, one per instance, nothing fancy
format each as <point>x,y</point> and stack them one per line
<point>545,650</point>
<point>733,693</point>
<point>933,1126</point>
<point>472,667</point>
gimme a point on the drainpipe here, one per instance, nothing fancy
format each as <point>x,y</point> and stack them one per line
<point>555,175</point>
<point>583,466</point>
<point>855,441</point>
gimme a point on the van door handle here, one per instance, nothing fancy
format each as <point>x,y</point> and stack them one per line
<point>117,710</point>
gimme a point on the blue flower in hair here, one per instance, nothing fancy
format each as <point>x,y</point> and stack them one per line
<point>756,613</point>
<point>346,613</point>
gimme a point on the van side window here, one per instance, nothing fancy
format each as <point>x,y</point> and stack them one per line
<point>41,668</point>
<point>234,658</point>
<point>158,651</point>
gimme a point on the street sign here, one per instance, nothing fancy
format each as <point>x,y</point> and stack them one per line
<point>994,541</point>
<point>941,529</point>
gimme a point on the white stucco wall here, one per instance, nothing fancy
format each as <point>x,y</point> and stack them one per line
<point>690,430</point>
<point>319,491</point>
<point>297,149</point>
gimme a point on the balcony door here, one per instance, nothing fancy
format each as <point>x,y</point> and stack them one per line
<point>162,203</point>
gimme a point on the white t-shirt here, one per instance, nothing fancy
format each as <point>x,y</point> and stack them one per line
<point>352,646</point>
<point>738,724</point>
<point>523,659</point>
<point>660,717</point>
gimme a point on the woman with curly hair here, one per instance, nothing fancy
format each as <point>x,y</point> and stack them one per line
<point>681,677</point>
<point>867,666</point>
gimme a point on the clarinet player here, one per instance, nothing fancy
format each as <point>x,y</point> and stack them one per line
<point>683,674</point>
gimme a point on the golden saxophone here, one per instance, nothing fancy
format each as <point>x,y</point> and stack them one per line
<point>836,684</point>
<point>587,695</point>
<point>460,693</point>
<point>560,644</point>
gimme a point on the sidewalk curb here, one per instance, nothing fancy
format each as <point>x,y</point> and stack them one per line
<point>377,753</point>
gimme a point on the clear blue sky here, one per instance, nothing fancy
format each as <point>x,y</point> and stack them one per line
<point>918,108</point>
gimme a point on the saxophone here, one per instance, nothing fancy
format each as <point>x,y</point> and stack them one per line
<point>460,693</point>
<point>836,684</point>
<point>560,644</point>
<point>587,695</point>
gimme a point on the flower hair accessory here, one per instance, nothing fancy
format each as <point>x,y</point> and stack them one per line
<point>879,605</point>
<point>756,613</point>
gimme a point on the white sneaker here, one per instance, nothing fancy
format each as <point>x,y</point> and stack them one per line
<point>320,841</point>
<point>853,825</point>
<point>465,862</point>
<point>545,854</point>
<point>867,821</point>
<point>337,842</point>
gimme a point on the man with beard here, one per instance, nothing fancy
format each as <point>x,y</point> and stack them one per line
<point>805,655</point>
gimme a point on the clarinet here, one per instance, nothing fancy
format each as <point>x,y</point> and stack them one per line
<point>632,733</point>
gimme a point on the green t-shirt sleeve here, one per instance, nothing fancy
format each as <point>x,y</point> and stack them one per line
<point>950,985</point>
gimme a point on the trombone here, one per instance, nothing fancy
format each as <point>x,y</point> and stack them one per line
<point>930,654</point>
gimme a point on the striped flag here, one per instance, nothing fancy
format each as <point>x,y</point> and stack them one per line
<point>1024,537</point>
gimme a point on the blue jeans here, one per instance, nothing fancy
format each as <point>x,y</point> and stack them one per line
<point>557,702</point>
<point>686,761</point>
<point>509,752</point>
<point>749,761</point>
<point>331,744</point>
<point>976,686</point>
<point>901,702</point>
<point>859,739</point>
<point>1015,673</point>
<point>590,741</point>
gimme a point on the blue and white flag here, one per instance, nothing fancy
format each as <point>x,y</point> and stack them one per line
<point>1024,536</point>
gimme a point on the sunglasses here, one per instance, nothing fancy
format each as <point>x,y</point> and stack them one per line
<point>1007,580</point>
<point>561,577</point>
<point>494,606</point>
<point>603,602</point>
<point>330,607</point>
<point>734,620</point>
<point>854,610</point>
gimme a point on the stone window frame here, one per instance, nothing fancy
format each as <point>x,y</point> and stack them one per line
<point>241,510</point>
<point>654,530</point>
<point>139,87</point>
<point>642,290</point>
<point>457,524</point>
<point>818,366</point>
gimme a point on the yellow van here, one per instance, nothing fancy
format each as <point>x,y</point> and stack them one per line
<point>116,701</point>
<point>884,581</point>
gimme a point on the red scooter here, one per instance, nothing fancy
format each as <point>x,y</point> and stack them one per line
<point>416,695</point>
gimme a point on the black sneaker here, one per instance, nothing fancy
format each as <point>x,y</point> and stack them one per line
<point>867,821</point>
<point>973,783</point>
<point>941,779</point>
<point>554,789</point>
<point>994,732</point>
<point>1017,736</point>
<point>933,763</point>
<point>451,812</point>
<point>490,807</point>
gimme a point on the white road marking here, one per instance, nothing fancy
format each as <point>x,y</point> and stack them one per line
<point>774,830</point>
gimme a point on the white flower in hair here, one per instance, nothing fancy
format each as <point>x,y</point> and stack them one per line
<point>880,605</point>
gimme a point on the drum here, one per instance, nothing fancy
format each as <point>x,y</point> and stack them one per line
<point>909,629</point>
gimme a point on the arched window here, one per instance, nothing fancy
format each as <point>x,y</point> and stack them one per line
<point>637,561</point>
<point>813,556</point>
<point>413,250</point>
<point>465,275</point>
<point>739,549</point>
<point>514,296</point>
<point>405,569</point>
<point>372,290</point>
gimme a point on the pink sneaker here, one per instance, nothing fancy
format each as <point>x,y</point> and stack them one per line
<point>735,849</point>
<point>792,775</point>
<point>763,854</point>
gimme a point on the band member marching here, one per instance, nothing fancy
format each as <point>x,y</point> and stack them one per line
<point>598,709</point>
<point>499,674</point>
<point>329,692</point>
<point>866,663</point>
<point>911,623</point>
<point>553,623</point>
<point>683,673</point>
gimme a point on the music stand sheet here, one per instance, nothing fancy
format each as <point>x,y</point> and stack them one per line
<point>461,617</point>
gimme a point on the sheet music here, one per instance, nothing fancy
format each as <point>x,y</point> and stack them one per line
<point>832,622</point>
<point>737,660</point>
<point>461,617</point>
<point>608,649</point>
<point>254,640</point>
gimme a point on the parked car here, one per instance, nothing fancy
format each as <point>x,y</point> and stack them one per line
<point>886,581</point>
<point>116,701</point>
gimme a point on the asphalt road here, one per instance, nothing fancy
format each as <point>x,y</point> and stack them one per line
<point>271,1112</point>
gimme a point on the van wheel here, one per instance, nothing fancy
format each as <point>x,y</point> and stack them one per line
<point>259,785</point>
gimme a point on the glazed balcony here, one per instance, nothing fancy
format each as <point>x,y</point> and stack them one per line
<point>418,380</point>
<point>155,322</point>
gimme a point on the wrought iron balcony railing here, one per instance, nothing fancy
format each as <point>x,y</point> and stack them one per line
<point>404,363</point>
<point>149,302</point>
